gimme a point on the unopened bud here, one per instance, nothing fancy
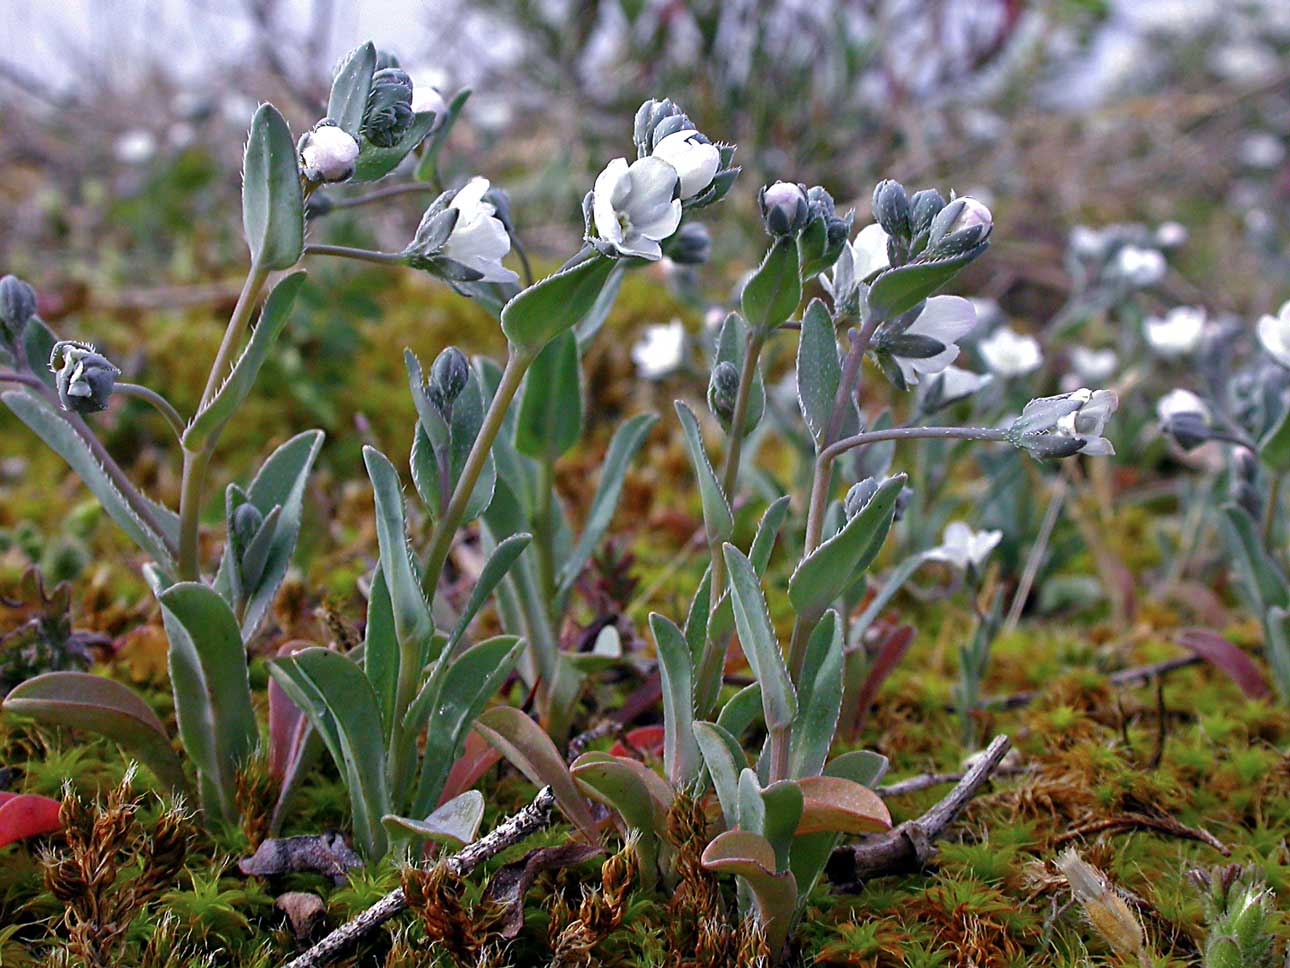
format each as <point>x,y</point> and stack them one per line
<point>723,392</point>
<point>691,245</point>
<point>246,523</point>
<point>448,377</point>
<point>85,379</point>
<point>923,208</point>
<point>17,305</point>
<point>891,208</point>
<point>858,496</point>
<point>962,223</point>
<point>784,208</point>
<point>327,153</point>
<point>389,107</point>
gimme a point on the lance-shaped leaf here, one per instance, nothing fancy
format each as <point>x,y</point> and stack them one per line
<point>819,698</point>
<point>280,482</point>
<point>725,760</point>
<point>294,745</point>
<point>449,703</point>
<point>732,345</point>
<point>859,766</point>
<point>530,750</point>
<point>832,804</point>
<point>212,691</point>
<point>902,288</point>
<point>680,751</point>
<point>455,823</point>
<point>347,101</point>
<point>594,320</point>
<point>823,576</point>
<point>412,620</point>
<point>494,570</point>
<point>427,167</point>
<point>771,296</point>
<point>718,520</point>
<point>751,857</point>
<point>741,711</point>
<point>549,307</point>
<point>82,701</point>
<point>549,419</point>
<point>375,161</point>
<point>381,650</point>
<point>640,796</point>
<point>722,619</point>
<point>237,385</point>
<point>818,369</point>
<point>1264,579</point>
<point>1227,658</point>
<point>40,416</point>
<point>273,209</point>
<point>623,448</point>
<point>334,693</point>
<point>757,638</point>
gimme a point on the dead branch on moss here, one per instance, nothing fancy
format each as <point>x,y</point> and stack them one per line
<point>1161,824</point>
<point>538,815</point>
<point>1125,677</point>
<point>910,845</point>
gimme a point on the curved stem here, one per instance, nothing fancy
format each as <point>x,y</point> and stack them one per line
<point>360,255</point>
<point>233,332</point>
<point>8,376</point>
<point>380,194</point>
<point>157,402</point>
<point>523,254</point>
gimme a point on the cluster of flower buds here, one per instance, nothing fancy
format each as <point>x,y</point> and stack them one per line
<point>85,379</point>
<point>926,227</point>
<point>705,170</point>
<point>462,237</point>
<point>1065,425</point>
<point>449,375</point>
<point>791,209</point>
<point>17,306</point>
<point>389,112</point>
<point>723,393</point>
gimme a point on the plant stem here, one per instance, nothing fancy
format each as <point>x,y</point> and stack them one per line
<point>361,255</point>
<point>380,194</point>
<point>747,376</point>
<point>190,502</point>
<point>233,332</point>
<point>517,364</point>
<point>157,402</point>
<point>779,746</point>
<point>544,530</point>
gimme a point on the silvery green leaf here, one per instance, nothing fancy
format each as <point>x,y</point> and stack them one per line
<point>552,305</point>
<point>467,417</point>
<point>273,210</point>
<point>903,287</point>
<point>680,751</point>
<point>823,575</point>
<point>347,102</point>
<point>549,418</point>
<point>256,555</point>
<point>757,638</point>
<point>591,323</point>
<point>58,435</point>
<point>772,294</point>
<point>913,346</point>
<point>719,521</point>
<point>819,698</point>
<point>237,385</point>
<point>39,340</point>
<point>431,419</point>
<point>456,823</point>
<point>818,369</point>
<point>381,650</point>
<point>1265,582</point>
<point>411,613</point>
<point>859,766</point>
<point>724,758</point>
<point>208,672</point>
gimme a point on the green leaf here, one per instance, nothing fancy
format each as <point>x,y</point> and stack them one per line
<point>753,858</point>
<point>237,386</point>
<point>39,340</point>
<point>494,570</point>
<point>680,751</point>
<point>530,750</point>
<point>467,418</point>
<point>724,758</point>
<point>549,420</point>
<point>334,693</point>
<point>818,371</point>
<point>552,305</point>
<point>427,167</point>
<point>280,482</point>
<point>58,435</point>
<point>450,701</point>
<point>627,441</point>
<point>772,294</point>
<point>79,700</point>
<point>1274,448</point>
<point>592,323</point>
<point>859,766</point>
<point>381,650</point>
<point>820,578</point>
<point>273,208</point>
<point>757,638</point>
<point>819,698</point>
<point>375,162</point>
<point>718,520</point>
<point>1277,648</point>
<point>768,528</point>
<point>456,823</point>
<point>732,345</point>
<point>741,711</point>
<point>773,811</point>
<point>412,620</point>
<point>213,706</point>
<point>902,288</point>
<point>1264,579</point>
<point>347,102</point>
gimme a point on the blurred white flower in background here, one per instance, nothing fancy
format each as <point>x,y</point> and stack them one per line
<point>1139,266</point>
<point>1262,149</point>
<point>1008,353</point>
<point>135,147</point>
<point>660,349</point>
<point>426,97</point>
<point>946,319</point>
<point>963,548</point>
<point>1086,242</point>
<point>1274,334</point>
<point>954,383</point>
<point>1178,332</point>
<point>479,240</point>
<point>633,205</point>
<point>1171,235</point>
<point>1093,366</point>
<point>1179,401</point>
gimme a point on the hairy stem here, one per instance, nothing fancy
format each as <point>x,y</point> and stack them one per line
<point>360,255</point>
<point>157,402</point>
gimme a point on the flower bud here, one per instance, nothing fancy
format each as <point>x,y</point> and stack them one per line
<point>960,225</point>
<point>691,245</point>
<point>246,523</point>
<point>448,377</point>
<point>327,153</point>
<point>654,121</point>
<point>723,392</point>
<point>17,305</point>
<point>858,496</point>
<point>891,208</point>
<point>923,208</point>
<point>84,378</point>
<point>389,107</point>
<point>784,208</point>
<point>902,503</point>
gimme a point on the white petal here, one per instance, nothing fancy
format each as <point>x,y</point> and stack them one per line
<point>945,318</point>
<point>696,162</point>
<point>653,183</point>
<point>869,251</point>
<point>662,224</point>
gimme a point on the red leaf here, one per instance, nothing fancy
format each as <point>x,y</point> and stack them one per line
<point>25,815</point>
<point>475,760</point>
<point>287,724</point>
<point>644,739</point>
<point>890,652</point>
<point>1227,658</point>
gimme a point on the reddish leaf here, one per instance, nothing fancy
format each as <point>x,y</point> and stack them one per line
<point>287,724</point>
<point>642,739</point>
<point>25,815</point>
<point>892,649</point>
<point>1227,658</point>
<point>475,760</point>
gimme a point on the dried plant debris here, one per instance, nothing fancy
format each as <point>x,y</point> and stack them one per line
<point>327,853</point>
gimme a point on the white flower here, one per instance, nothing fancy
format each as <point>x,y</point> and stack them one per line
<point>135,147</point>
<point>327,153</point>
<point>1008,353</point>
<point>659,350</point>
<point>857,261</point>
<point>1094,366</point>
<point>634,207</point>
<point>695,159</point>
<point>1089,421</point>
<point>1178,333</point>
<point>1274,334</point>
<point>964,548</point>
<point>1139,266</point>
<point>479,240</point>
<point>426,97</point>
<point>1087,243</point>
<point>946,319</point>
<point>1179,401</point>
<point>955,383</point>
<point>1171,235</point>
<point>1262,150</point>
<point>972,213</point>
